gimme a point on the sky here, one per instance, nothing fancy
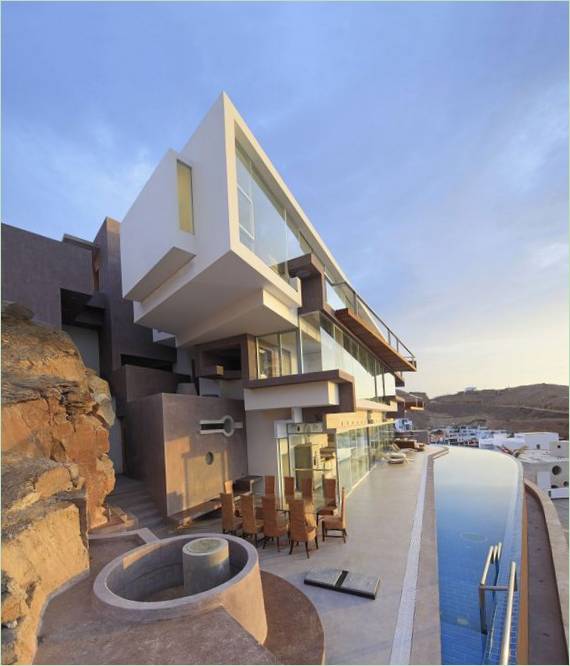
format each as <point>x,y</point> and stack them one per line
<point>427,142</point>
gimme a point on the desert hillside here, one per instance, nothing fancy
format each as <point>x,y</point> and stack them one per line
<point>529,408</point>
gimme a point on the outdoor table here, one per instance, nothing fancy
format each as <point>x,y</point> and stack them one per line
<point>282,502</point>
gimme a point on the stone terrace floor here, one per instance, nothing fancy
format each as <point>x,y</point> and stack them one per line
<point>380,516</point>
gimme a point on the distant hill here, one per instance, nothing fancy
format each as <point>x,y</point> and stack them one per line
<point>532,408</point>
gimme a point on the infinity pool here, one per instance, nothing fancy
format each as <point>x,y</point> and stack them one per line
<point>477,494</point>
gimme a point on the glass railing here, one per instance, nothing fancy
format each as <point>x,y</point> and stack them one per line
<point>341,295</point>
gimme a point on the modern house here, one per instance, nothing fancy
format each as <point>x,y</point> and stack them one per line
<point>220,260</point>
<point>245,351</point>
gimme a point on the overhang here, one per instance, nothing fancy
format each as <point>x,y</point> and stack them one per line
<point>375,341</point>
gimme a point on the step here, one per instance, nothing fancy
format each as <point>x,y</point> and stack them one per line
<point>152,522</point>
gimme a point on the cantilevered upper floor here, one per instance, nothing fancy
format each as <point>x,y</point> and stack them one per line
<point>216,245</point>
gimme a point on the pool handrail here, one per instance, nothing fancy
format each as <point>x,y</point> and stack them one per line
<point>506,640</point>
<point>493,557</point>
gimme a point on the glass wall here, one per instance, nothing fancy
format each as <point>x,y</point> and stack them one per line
<point>326,346</point>
<point>359,449</point>
<point>323,346</point>
<point>277,355</point>
<point>346,456</point>
<point>264,226</point>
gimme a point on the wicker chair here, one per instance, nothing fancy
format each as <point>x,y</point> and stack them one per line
<point>252,526</point>
<point>303,526</point>
<point>230,523</point>
<point>289,482</point>
<point>270,485</point>
<point>307,488</point>
<point>273,527</point>
<point>336,523</point>
<point>329,491</point>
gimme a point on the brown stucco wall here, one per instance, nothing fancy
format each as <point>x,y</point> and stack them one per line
<point>189,479</point>
<point>120,335</point>
<point>144,444</point>
<point>36,268</point>
<point>131,382</point>
<point>166,450</point>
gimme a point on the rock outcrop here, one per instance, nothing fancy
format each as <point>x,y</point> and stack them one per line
<point>55,471</point>
<point>53,406</point>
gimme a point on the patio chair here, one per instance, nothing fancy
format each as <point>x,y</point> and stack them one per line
<point>329,492</point>
<point>270,485</point>
<point>274,525</point>
<point>252,526</point>
<point>307,488</point>
<point>336,523</point>
<point>230,523</point>
<point>289,483</point>
<point>302,526</point>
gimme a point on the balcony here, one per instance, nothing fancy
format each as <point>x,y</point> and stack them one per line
<point>351,310</point>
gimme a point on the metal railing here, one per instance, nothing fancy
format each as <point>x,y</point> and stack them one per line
<point>341,295</point>
<point>493,557</point>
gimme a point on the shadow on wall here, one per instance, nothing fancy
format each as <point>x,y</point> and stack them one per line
<point>194,477</point>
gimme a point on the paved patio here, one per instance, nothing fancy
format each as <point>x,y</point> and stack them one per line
<point>381,511</point>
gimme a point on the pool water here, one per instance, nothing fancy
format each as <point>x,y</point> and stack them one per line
<point>475,494</point>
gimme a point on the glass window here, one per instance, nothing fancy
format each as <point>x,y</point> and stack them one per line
<point>389,385</point>
<point>325,346</point>
<point>289,361</point>
<point>184,185</point>
<point>268,356</point>
<point>264,224</point>
<point>311,343</point>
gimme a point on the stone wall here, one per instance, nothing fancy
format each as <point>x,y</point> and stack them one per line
<point>55,471</point>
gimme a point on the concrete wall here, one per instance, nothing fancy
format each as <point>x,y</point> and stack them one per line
<point>87,341</point>
<point>145,446</point>
<point>36,268</point>
<point>166,450</point>
<point>190,479</point>
<point>261,443</point>
<point>131,382</point>
<point>120,334</point>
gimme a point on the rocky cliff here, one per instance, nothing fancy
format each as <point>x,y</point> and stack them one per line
<point>55,471</point>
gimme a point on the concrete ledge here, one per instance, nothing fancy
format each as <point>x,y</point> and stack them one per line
<point>558,549</point>
<point>143,534</point>
<point>157,565</point>
<point>426,635</point>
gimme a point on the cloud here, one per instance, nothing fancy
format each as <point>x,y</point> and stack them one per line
<point>550,255</point>
<point>72,182</point>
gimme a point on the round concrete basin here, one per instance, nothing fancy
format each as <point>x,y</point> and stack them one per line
<point>128,587</point>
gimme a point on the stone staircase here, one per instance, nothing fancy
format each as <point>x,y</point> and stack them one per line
<point>132,496</point>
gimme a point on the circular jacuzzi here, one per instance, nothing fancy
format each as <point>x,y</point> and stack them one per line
<point>147,584</point>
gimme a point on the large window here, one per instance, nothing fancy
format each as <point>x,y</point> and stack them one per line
<point>277,355</point>
<point>325,346</point>
<point>264,226</point>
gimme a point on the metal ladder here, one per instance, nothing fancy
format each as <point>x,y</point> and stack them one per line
<point>494,557</point>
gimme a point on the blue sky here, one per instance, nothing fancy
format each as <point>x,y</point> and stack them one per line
<point>426,141</point>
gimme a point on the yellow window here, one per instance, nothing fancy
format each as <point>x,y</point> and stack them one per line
<point>184,178</point>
